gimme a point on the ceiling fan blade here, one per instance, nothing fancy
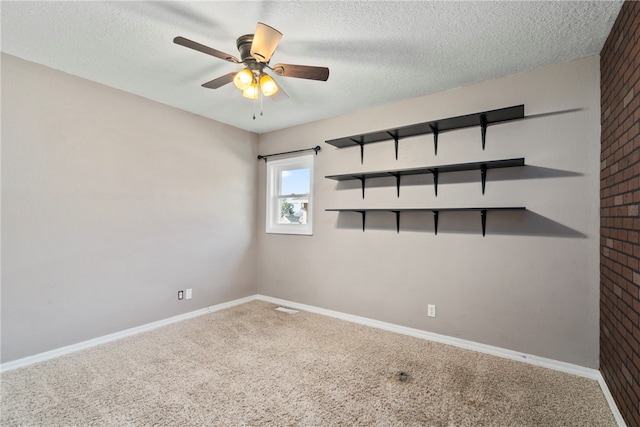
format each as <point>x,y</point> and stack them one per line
<point>220,81</point>
<point>302,71</point>
<point>265,41</point>
<point>205,49</point>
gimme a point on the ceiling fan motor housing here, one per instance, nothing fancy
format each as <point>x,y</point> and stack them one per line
<point>244,47</point>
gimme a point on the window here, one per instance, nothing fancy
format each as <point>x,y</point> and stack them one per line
<point>289,195</point>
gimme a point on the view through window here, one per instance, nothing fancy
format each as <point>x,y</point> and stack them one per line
<point>294,196</point>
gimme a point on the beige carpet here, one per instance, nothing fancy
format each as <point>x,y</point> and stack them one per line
<point>252,365</point>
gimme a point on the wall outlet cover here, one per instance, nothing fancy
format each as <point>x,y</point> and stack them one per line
<point>431,310</point>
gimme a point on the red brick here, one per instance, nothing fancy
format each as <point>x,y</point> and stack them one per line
<point>619,211</point>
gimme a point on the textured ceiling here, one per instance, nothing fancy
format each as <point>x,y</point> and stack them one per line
<point>378,52</point>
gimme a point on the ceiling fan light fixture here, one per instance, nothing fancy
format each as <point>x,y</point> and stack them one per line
<point>243,79</point>
<point>251,92</point>
<point>255,54</point>
<point>268,86</point>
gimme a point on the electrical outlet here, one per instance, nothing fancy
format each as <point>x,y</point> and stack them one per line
<point>431,310</point>
<point>189,294</point>
<point>180,295</point>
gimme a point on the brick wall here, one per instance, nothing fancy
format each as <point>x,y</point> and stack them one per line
<point>619,220</point>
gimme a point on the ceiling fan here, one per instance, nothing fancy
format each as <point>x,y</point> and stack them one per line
<point>255,53</point>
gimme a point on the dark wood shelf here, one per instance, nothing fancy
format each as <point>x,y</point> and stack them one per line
<point>435,127</point>
<point>435,211</point>
<point>482,119</point>
<point>434,170</point>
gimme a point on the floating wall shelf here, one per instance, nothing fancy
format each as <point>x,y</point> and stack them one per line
<point>435,211</point>
<point>482,119</point>
<point>434,170</point>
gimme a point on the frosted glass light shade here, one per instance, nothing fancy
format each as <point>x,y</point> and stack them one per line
<point>251,92</point>
<point>243,79</point>
<point>265,41</point>
<point>268,85</point>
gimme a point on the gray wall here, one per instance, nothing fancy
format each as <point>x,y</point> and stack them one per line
<point>112,203</point>
<point>530,285</point>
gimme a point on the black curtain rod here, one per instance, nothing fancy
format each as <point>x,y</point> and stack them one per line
<point>316,149</point>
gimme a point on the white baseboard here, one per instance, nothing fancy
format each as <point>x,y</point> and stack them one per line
<point>569,368</point>
<point>612,404</point>
<point>7,366</point>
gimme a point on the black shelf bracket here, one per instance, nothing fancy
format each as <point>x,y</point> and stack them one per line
<point>435,174</point>
<point>434,130</point>
<point>361,144</point>
<point>483,129</point>
<point>362,179</point>
<point>436,214</point>
<point>397,221</point>
<point>397,175</point>
<point>364,217</point>
<point>483,175</point>
<point>394,135</point>
<point>483,218</point>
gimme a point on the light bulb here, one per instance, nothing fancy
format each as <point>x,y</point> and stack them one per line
<point>268,85</point>
<point>243,79</point>
<point>251,92</point>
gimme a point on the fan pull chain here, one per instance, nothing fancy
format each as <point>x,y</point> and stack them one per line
<point>255,101</point>
<point>261,98</point>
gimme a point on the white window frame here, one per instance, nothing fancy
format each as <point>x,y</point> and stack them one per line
<point>274,172</point>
